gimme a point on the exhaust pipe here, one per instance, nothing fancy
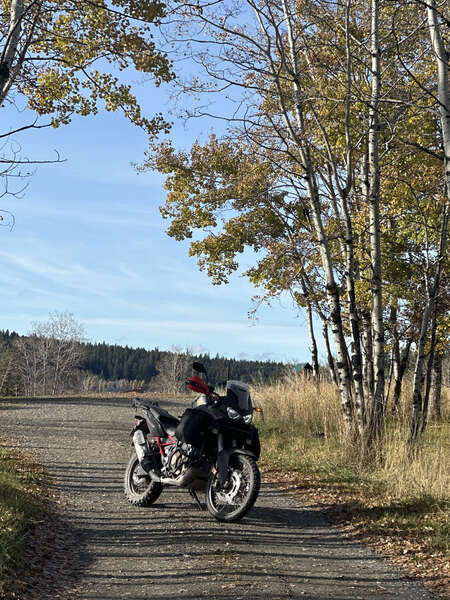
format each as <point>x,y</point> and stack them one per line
<point>143,454</point>
<point>185,479</point>
<point>140,445</point>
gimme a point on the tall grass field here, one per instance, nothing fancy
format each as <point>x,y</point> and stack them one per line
<point>401,504</point>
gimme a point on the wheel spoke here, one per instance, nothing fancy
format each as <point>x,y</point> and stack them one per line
<point>237,495</point>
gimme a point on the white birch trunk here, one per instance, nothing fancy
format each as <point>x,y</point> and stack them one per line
<point>374,226</point>
<point>367,355</point>
<point>330,359</point>
<point>395,353</point>
<point>349,254</point>
<point>344,376</point>
<point>441,56</point>
<point>348,247</point>
<point>399,377</point>
<point>436,387</point>
<point>312,338</point>
<point>430,361</point>
<point>11,47</point>
<point>419,370</point>
<point>356,354</point>
<point>5,373</point>
<point>419,375</point>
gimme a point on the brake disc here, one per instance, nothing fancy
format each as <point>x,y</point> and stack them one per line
<point>233,485</point>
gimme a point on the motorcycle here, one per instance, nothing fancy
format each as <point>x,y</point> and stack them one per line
<point>212,447</point>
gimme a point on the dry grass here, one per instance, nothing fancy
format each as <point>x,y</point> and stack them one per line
<point>303,430</point>
<point>398,504</point>
<point>21,503</point>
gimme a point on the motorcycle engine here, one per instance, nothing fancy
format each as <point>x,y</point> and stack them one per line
<point>179,458</point>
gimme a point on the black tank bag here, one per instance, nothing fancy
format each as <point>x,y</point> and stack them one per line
<point>194,424</point>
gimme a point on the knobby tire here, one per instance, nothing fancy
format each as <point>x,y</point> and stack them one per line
<point>238,463</point>
<point>148,495</point>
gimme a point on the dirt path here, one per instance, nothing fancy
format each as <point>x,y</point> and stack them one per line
<point>172,550</point>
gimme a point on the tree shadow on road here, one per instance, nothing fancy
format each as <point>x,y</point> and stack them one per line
<point>173,550</point>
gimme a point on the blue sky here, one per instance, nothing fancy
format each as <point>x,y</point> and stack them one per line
<point>89,239</point>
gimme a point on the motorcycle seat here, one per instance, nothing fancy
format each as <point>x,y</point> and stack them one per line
<point>168,421</point>
<point>137,403</point>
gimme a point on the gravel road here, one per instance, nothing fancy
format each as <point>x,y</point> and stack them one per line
<point>110,550</point>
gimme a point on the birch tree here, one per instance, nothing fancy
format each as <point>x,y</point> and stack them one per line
<point>437,16</point>
<point>66,58</point>
<point>48,358</point>
<point>293,64</point>
<point>320,171</point>
<point>173,370</point>
<point>375,224</point>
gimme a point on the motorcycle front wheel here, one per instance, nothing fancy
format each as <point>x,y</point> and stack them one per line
<point>232,500</point>
<point>139,488</point>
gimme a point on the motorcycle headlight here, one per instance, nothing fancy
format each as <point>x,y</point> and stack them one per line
<point>233,414</point>
<point>248,419</point>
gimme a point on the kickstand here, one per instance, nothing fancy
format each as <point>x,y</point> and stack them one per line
<point>194,495</point>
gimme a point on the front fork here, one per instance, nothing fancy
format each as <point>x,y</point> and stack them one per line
<point>223,459</point>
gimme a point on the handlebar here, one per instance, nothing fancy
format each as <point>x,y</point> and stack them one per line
<point>136,402</point>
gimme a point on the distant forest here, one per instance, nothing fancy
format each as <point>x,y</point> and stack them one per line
<point>121,362</point>
<point>114,362</point>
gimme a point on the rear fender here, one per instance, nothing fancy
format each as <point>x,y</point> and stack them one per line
<point>141,424</point>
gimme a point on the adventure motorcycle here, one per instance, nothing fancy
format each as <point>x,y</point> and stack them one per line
<point>212,447</point>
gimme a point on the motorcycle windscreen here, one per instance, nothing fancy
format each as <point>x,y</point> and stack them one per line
<point>193,427</point>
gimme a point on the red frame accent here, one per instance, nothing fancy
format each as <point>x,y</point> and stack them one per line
<point>161,445</point>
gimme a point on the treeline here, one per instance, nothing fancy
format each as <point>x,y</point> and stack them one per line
<point>113,362</point>
<point>54,359</point>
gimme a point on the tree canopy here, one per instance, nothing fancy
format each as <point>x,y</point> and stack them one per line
<point>331,169</point>
<point>69,57</point>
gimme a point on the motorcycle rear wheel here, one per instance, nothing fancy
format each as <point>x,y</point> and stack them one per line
<point>233,500</point>
<point>140,490</point>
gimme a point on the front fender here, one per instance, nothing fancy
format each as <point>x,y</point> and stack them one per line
<point>223,460</point>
